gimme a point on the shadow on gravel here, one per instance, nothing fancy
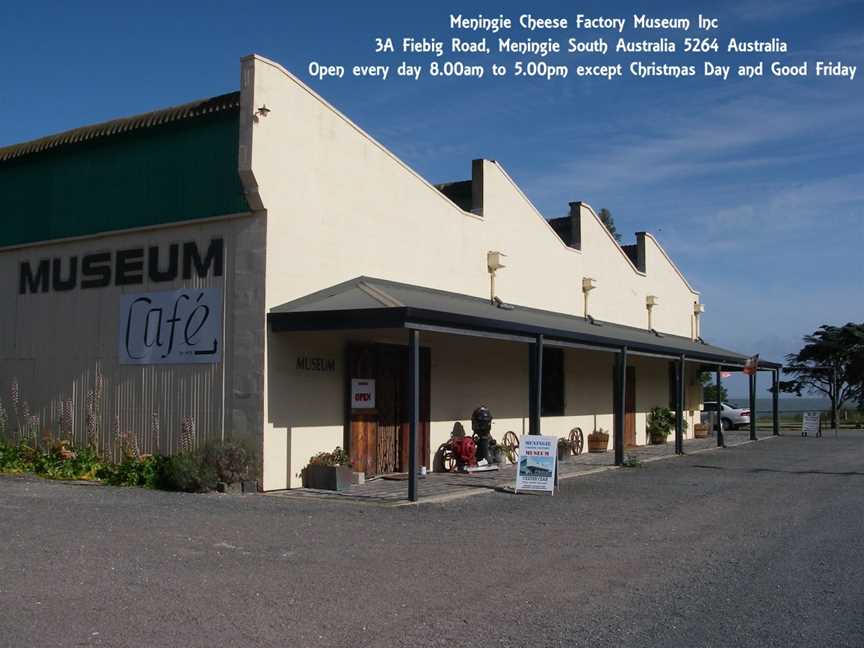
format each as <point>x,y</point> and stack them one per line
<point>848,473</point>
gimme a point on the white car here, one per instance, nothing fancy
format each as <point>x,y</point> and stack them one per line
<point>731,417</point>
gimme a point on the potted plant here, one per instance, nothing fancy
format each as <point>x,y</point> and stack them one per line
<point>328,471</point>
<point>598,440</point>
<point>498,455</point>
<point>661,421</point>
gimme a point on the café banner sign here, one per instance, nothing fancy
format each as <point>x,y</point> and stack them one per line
<point>538,458</point>
<point>176,327</point>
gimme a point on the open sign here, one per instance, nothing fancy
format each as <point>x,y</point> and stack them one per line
<point>362,393</point>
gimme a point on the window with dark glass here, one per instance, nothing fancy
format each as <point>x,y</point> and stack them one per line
<point>552,401</point>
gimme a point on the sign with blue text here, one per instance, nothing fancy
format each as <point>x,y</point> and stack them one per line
<point>177,327</point>
<point>538,456</point>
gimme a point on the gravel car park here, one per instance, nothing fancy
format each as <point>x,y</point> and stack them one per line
<point>721,551</point>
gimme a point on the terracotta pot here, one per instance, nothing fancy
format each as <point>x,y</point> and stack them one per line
<point>598,442</point>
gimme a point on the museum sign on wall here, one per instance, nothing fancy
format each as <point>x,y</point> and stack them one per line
<point>177,327</point>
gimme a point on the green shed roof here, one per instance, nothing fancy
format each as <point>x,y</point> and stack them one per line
<point>225,102</point>
<point>173,165</point>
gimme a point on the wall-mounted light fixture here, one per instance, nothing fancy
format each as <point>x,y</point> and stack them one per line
<point>588,284</point>
<point>494,264</point>
<point>650,302</point>
<point>698,309</point>
<point>263,111</point>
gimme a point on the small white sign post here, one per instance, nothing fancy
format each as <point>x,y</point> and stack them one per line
<point>537,463</point>
<point>810,422</point>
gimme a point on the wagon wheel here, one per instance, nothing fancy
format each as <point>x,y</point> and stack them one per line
<point>444,460</point>
<point>509,445</point>
<point>449,460</point>
<point>577,441</point>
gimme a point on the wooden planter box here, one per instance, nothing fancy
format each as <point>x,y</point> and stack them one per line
<point>657,439</point>
<point>598,442</point>
<point>700,431</point>
<point>335,478</point>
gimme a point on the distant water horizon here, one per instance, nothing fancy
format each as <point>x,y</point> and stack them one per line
<point>794,404</point>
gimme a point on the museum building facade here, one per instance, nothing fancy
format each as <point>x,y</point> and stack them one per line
<point>255,266</point>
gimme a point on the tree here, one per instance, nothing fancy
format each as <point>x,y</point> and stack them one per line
<point>831,362</point>
<point>606,216</point>
<point>709,388</point>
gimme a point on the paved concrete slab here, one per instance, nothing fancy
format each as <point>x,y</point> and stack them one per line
<point>445,487</point>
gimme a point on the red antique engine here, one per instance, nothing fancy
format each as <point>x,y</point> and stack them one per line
<point>464,451</point>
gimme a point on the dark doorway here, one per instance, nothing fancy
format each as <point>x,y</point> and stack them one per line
<point>377,438</point>
<point>552,394</point>
<point>630,409</point>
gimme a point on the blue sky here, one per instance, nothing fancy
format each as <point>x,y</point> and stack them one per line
<point>756,187</point>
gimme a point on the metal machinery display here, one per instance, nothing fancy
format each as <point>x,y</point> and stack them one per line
<point>575,442</point>
<point>481,425</point>
<point>461,452</point>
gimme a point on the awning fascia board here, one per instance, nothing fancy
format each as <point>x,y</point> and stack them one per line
<point>456,323</point>
<point>338,320</point>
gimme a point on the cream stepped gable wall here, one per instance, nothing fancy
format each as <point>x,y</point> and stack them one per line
<point>339,205</point>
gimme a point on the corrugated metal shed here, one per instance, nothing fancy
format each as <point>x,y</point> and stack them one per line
<point>191,110</point>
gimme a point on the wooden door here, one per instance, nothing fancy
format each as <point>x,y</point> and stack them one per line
<point>361,437</point>
<point>630,409</point>
<point>389,387</point>
<point>377,439</point>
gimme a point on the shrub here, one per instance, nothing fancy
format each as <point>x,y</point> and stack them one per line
<point>59,461</point>
<point>11,460</point>
<point>336,458</point>
<point>231,462</point>
<point>186,472</point>
<point>632,461</point>
<point>180,472</point>
<point>133,471</point>
<point>661,421</point>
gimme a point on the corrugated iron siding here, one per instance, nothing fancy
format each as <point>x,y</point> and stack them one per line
<point>54,345</point>
<point>167,167</point>
<point>200,108</point>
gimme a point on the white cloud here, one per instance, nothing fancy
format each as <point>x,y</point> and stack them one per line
<point>790,210</point>
<point>723,137</point>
